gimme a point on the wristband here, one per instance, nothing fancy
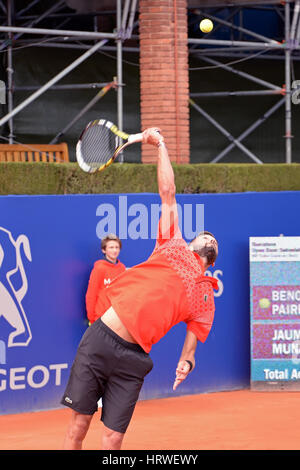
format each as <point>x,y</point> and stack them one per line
<point>190,364</point>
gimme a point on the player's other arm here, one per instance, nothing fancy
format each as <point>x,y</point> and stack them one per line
<point>187,354</point>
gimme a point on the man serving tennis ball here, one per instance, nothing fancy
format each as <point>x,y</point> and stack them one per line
<point>145,301</point>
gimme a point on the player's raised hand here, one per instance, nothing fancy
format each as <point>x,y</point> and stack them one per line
<point>152,136</point>
<point>182,372</point>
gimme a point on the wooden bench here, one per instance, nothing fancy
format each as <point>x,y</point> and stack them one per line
<point>57,153</point>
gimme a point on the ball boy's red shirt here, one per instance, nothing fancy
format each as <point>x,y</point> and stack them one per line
<point>101,276</point>
<point>168,288</point>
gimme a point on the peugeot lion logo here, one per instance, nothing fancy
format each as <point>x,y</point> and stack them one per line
<point>13,288</point>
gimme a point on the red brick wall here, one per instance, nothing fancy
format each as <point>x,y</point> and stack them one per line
<point>164,75</point>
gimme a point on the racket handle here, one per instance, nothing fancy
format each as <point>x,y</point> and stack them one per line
<point>135,138</point>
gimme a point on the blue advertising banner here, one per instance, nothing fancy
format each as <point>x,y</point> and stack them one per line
<point>275,313</point>
<point>48,245</point>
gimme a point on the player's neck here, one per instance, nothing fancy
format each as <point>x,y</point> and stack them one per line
<point>204,261</point>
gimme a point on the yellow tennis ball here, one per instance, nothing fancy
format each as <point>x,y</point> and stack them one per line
<point>206,26</point>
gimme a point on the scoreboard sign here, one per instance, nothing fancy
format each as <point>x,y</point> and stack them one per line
<point>275,313</point>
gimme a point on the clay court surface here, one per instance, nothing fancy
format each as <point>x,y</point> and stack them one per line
<point>237,420</point>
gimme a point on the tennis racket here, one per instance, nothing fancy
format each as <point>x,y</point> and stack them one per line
<point>98,146</point>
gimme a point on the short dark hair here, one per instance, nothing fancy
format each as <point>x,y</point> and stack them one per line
<point>210,253</point>
<point>108,238</point>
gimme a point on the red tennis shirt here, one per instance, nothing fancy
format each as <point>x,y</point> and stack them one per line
<point>101,276</point>
<point>168,288</point>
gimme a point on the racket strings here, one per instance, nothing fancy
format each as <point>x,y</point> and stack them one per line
<point>98,145</point>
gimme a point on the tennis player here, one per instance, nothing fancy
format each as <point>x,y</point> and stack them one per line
<point>146,301</point>
<point>103,272</point>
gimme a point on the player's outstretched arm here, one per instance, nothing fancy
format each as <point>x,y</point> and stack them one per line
<point>165,173</point>
<point>188,354</point>
<point>165,176</point>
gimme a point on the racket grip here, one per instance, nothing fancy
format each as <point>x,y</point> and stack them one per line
<point>135,138</point>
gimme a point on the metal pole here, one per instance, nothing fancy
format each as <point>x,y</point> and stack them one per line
<point>79,86</point>
<point>241,74</point>
<point>221,42</point>
<point>65,45</point>
<point>10,71</point>
<point>288,104</point>
<point>125,15</point>
<point>295,19</point>
<point>119,75</point>
<point>131,18</point>
<point>238,55</point>
<point>21,12</point>
<point>58,32</point>
<point>86,108</point>
<point>236,93</point>
<point>225,132</point>
<point>249,130</point>
<point>241,21</point>
<point>51,82</point>
<point>3,7</point>
<point>297,38</point>
<point>35,21</point>
<point>279,13</point>
<point>214,50</point>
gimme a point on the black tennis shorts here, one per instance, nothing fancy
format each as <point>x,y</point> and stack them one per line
<point>107,366</point>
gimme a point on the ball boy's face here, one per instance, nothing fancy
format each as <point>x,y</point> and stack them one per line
<point>112,250</point>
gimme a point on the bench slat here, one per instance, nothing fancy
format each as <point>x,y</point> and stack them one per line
<point>57,153</point>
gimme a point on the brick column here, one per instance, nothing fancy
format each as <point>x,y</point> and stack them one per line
<point>164,75</point>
